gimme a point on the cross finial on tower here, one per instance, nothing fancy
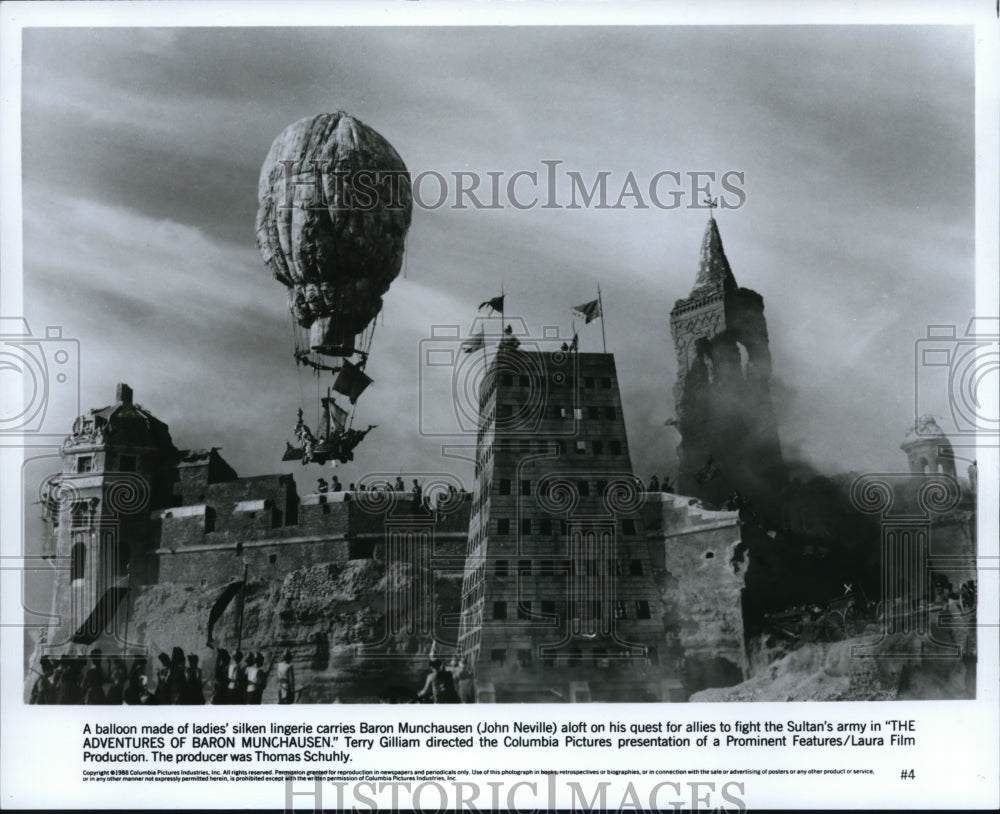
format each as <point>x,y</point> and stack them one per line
<point>711,202</point>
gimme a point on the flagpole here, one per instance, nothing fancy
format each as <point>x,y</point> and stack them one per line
<point>243,601</point>
<point>600,304</point>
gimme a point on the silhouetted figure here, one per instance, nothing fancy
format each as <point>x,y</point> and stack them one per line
<point>194,685</point>
<point>116,688</point>
<point>43,691</point>
<point>286,679</point>
<point>654,484</point>
<point>237,679</point>
<point>439,685</point>
<point>463,681</point>
<point>220,686</point>
<point>162,691</point>
<point>256,678</point>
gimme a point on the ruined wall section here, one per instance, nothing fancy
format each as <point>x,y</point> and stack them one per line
<point>704,563</point>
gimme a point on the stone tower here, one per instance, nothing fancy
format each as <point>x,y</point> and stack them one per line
<point>928,449</point>
<point>559,601</point>
<point>729,434</point>
<point>116,468</point>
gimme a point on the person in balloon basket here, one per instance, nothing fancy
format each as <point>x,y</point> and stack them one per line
<point>440,685</point>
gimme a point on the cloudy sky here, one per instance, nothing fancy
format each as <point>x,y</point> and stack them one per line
<point>142,148</point>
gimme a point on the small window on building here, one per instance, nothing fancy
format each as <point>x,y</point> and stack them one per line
<point>504,486</point>
<point>499,610</point>
<point>523,381</point>
<point>598,447</point>
<point>628,527</point>
<point>615,447</point>
<point>548,606</point>
<point>526,526</point>
<point>128,463</point>
<point>506,380</point>
<point>635,568</point>
<point>581,447</point>
<point>525,487</point>
<point>606,382</point>
<point>609,413</point>
<point>589,382</point>
<point>524,568</point>
<point>498,656</point>
<point>641,609</point>
<point>85,463</point>
<point>578,413</point>
<point>564,412</point>
<point>545,526</point>
<point>501,568</point>
<point>620,612</point>
<point>79,514</point>
<point>583,486</point>
<point>593,413</point>
<point>503,526</point>
<point>524,610</point>
<point>524,656</point>
<point>77,560</point>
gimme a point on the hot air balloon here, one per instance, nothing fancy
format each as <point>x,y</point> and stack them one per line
<point>334,206</point>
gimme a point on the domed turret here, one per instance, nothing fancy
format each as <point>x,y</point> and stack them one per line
<point>927,448</point>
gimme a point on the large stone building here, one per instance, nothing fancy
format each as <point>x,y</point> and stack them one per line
<point>558,575</point>
<point>729,433</point>
<point>560,600</point>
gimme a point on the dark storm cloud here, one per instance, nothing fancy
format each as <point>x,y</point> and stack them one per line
<point>142,150</point>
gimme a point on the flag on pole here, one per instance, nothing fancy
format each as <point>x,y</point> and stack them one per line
<point>474,343</point>
<point>102,616</point>
<point>496,304</point>
<point>351,381</point>
<point>589,311</point>
<point>338,415</point>
<point>220,606</point>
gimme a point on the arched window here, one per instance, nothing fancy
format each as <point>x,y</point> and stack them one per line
<point>78,558</point>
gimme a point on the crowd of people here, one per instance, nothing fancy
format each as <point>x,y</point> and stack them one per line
<point>96,679</point>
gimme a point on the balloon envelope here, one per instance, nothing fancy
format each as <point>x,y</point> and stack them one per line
<point>334,205</point>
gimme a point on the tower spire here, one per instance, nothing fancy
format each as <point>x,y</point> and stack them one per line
<point>714,274</point>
